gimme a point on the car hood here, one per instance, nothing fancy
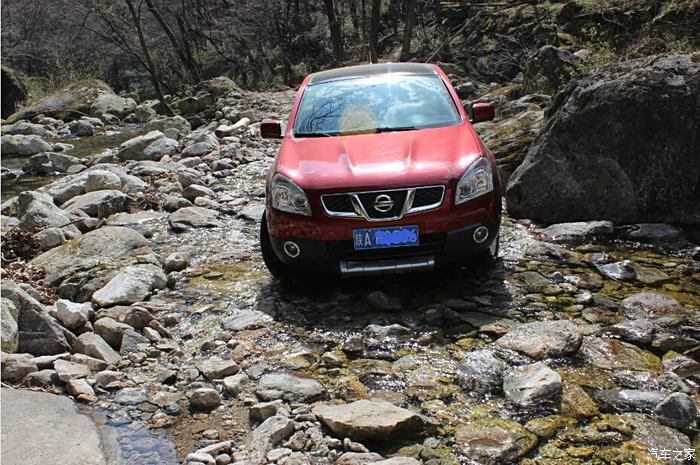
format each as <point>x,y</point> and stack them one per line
<point>392,159</point>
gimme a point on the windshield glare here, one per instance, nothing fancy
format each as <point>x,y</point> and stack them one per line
<point>374,104</point>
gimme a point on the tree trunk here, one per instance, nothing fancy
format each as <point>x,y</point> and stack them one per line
<point>336,33</point>
<point>374,31</point>
<point>408,29</point>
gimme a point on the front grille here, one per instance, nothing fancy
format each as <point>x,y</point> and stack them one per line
<point>418,199</point>
<point>428,196</point>
<point>398,197</point>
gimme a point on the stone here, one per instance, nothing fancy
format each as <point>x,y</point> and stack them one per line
<point>193,191</point>
<point>632,331</point>
<point>8,322</point>
<point>247,319</point>
<point>98,204</point>
<point>81,128</point>
<point>358,458</point>
<point>14,92</point>
<point>570,176</point>
<point>98,180</point>
<point>78,387</point>
<point>216,368</point>
<point>95,364</point>
<point>194,217</point>
<point>370,420</point>
<point>576,403</point>
<point>532,385</point>
<point>266,436</point>
<point>176,261</point>
<point>66,370</point>
<point>131,396</point>
<point>17,145</point>
<point>45,379</point>
<point>133,149</point>
<point>549,70</point>
<point>131,285</point>
<point>16,366</point>
<point>543,339</point>
<point>611,354</point>
<point>654,232</point>
<point>264,410</point>
<point>569,232</point>
<point>36,211</point>
<point>200,458</point>
<point>134,316</point>
<point>628,400</point>
<point>678,410</point>
<point>111,331</point>
<point>480,372</point>
<point>653,305</point>
<point>173,203</point>
<point>494,442</point>
<point>290,388</point>
<point>234,384</point>
<point>72,315</point>
<point>162,124</point>
<point>205,399</point>
<point>112,104</point>
<point>618,271</point>
<point>48,163</point>
<point>198,149</point>
<point>160,148</point>
<point>93,345</point>
<point>649,433</point>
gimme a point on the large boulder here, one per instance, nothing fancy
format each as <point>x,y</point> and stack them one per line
<point>36,211</point>
<point>133,149</point>
<point>132,284</point>
<point>597,158</point>
<point>69,103</point>
<point>98,204</point>
<point>13,92</point>
<point>18,145</point>
<point>220,86</point>
<point>50,163</point>
<point>112,104</point>
<point>84,265</point>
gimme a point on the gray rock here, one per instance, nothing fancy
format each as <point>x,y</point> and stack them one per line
<point>133,149</point>
<point>134,316</point>
<point>111,331</point>
<point>133,342</point>
<point>289,387</point>
<point>567,232</point>
<point>51,237</point>
<point>173,203</point>
<point>531,385</point>
<point>266,436</point>
<point>543,339</point>
<point>678,411</point>
<point>205,399</point>
<point>66,370</point>
<point>570,176</point>
<point>247,319</point>
<point>50,163</point>
<point>252,212</point>
<point>633,331</point>
<point>216,368</point>
<point>198,149</point>
<point>162,124</point>
<point>72,315</point>
<point>93,345</point>
<point>98,204</point>
<point>370,420</point>
<point>494,442</point>
<point>628,400</point>
<point>194,217</point>
<point>27,129</point>
<point>549,70</point>
<point>131,285</point>
<point>8,323</point>
<point>79,387</point>
<point>16,366</point>
<point>234,384</point>
<point>81,267</point>
<point>653,306</point>
<point>264,410</point>
<point>193,191</point>
<point>131,396</point>
<point>480,372</point>
<point>189,176</point>
<point>144,113</point>
<point>112,104</point>
<point>98,180</point>
<point>650,434</point>
<point>619,271</point>
<point>37,211</point>
<point>654,232</point>
<point>17,145</point>
<point>176,261</point>
<point>160,148</point>
<point>81,128</point>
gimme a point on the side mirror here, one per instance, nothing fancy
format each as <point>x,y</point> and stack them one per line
<point>482,112</point>
<point>270,129</point>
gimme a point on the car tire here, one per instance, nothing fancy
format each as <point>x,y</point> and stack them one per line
<point>275,266</point>
<point>489,257</point>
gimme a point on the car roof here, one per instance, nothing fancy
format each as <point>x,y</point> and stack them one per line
<point>349,72</point>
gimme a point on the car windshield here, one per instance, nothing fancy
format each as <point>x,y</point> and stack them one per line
<point>394,102</point>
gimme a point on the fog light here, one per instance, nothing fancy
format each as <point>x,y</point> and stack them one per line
<point>291,249</point>
<point>481,234</point>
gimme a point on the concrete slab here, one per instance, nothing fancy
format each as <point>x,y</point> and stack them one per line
<point>40,428</point>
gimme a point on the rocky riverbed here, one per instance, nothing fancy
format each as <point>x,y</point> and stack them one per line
<point>150,306</point>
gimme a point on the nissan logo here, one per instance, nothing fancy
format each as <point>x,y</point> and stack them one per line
<point>383,203</point>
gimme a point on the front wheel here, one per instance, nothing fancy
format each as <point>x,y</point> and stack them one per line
<point>489,257</point>
<point>277,267</point>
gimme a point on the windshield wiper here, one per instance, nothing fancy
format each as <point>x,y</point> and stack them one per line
<point>316,134</point>
<point>397,128</point>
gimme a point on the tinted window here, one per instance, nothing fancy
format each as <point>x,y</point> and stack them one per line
<point>374,104</point>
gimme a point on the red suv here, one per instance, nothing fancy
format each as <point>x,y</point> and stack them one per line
<point>380,171</point>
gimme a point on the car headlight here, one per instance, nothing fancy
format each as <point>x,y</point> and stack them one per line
<point>475,182</point>
<point>289,197</point>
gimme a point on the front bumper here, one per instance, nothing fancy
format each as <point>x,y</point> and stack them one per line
<point>435,250</point>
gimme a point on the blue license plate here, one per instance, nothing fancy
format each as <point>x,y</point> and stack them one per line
<point>380,238</point>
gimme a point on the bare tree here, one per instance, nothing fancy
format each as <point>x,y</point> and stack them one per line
<point>334,26</point>
<point>374,30</point>
<point>408,29</point>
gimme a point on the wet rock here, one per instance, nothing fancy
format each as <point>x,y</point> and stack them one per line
<point>132,284</point>
<point>266,436</point>
<point>66,370</point>
<point>290,388</point>
<point>532,385</point>
<point>576,403</point>
<point>93,345</point>
<point>651,434</point>
<point>370,420</point>
<point>533,281</point>
<point>49,163</point>
<point>98,180</point>
<point>570,232</point>
<point>481,372</point>
<point>611,354</point>
<point>660,307</point>
<point>176,261</point>
<point>494,442</point>
<point>654,232</point>
<point>678,411</point>
<point>16,366</point>
<point>131,396</point>
<point>628,400</point>
<point>378,334</point>
<point>194,217</point>
<point>18,145</point>
<point>205,399</point>
<point>247,319</point>
<point>619,271</point>
<point>216,368</point>
<point>568,176</point>
<point>543,339</point>
<point>678,343</point>
<point>633,331</point>
<point>8,320</point>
